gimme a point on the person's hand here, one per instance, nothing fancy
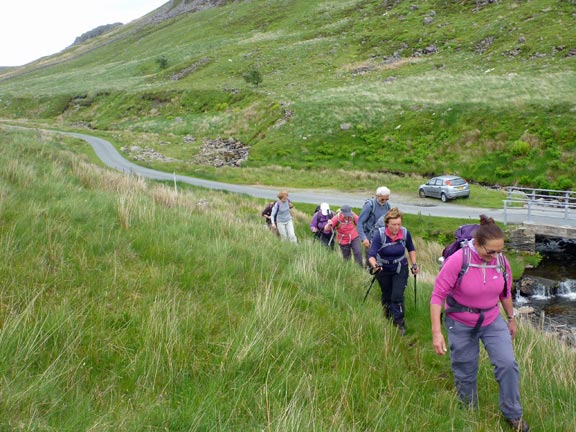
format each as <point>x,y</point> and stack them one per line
<point>512,327</point>
<point>439,343</point>
<point>415,269</point>
<point>375,269</point>
<point>314,230</point>
<point>366,243</point>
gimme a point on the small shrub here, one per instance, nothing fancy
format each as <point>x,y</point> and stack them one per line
<point>162,62</point>
<point>563,183</point>
<point>502,172</point>
<point>252,77</point>
<point>519,148</point>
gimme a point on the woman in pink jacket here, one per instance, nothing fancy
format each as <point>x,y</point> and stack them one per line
<point>345,223</point>
<point>473,315</point>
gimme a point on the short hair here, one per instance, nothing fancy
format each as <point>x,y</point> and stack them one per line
<point>383,190</point>
<point>393,213</point>
<point>488,230</point>
<point>282,194</point>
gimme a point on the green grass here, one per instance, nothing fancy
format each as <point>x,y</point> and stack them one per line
<point>125,306</point>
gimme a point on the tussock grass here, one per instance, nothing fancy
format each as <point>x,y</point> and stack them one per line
<point>125,306</point>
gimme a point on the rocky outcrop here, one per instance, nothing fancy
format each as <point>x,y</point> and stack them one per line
<point>147,154</point>
<point>100,30</point>
<point>178,7</point>
<point>192,68</point>
<point>213,152</point>
<point>531,285</point>
<point>222,152</point>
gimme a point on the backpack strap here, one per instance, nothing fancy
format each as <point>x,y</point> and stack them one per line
<point>372,202</point>
<point>466,257</point>
<point>384,238</point>
<point>454,306</point>
<point>502,264</point>
<point>320,218</point>
<point>386,243</point>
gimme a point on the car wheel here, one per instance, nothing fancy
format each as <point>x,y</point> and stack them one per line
<point>443,197</point>
<point>422,193</point>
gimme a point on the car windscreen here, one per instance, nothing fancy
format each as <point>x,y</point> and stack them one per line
<point>457,181</point>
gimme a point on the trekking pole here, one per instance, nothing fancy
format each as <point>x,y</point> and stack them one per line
<point>369,288</point>
<point>316,235</point>
<point>415,292</point>
<point>373,272</point>
<point>331,238</point>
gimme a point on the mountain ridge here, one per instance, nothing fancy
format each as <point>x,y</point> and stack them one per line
<point>482,89</point>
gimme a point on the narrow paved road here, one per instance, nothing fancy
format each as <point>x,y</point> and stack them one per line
<point>427,207</point>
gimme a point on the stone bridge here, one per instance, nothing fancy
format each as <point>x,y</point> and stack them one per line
<point>547,213</point>
<point>523,237</point>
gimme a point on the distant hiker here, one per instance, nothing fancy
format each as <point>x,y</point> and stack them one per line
<point>321,217</point>
<point>282,218</point>
<point>373,209</point>
<point>267,215</point>
<point>347,236</point>
<point>387,258</point>
<point>471,284</point>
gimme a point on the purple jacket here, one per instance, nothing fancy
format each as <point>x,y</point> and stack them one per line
<point>319,220</point>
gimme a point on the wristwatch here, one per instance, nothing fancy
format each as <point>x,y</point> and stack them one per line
<point>512,317</point>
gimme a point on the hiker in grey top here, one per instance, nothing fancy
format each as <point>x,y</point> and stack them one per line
<point>283,218</point>
<point>374,209</point>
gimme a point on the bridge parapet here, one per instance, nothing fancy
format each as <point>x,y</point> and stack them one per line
<point>540,203</point>
<point>523,237</point>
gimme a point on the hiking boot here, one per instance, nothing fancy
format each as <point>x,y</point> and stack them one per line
<point>401,329</point>
<point>387,312</point>
<point>518,425</point>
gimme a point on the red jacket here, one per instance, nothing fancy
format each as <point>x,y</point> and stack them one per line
<point>345,228</point>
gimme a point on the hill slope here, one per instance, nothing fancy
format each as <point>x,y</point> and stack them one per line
<point>482,89</point>
<point>127,307</point>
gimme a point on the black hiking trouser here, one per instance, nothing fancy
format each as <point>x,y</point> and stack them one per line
<point>325,238</point>
<point>393,286</point>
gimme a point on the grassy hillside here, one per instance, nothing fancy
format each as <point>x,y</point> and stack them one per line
<point>128,307</point>
<point>484,90</point>
<point>125,306</point>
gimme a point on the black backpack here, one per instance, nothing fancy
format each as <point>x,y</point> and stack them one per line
<point>330,215</point>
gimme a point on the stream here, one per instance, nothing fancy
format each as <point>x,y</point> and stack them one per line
<point>558,266</point>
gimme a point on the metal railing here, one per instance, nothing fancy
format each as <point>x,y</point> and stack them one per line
<point>552,203</point>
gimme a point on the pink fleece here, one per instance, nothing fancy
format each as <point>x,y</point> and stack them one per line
<point>346,231</point>
<point>480,287</point>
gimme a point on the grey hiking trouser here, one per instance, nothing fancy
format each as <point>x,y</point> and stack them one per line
<point>464,353</point>
<point>355,247</point>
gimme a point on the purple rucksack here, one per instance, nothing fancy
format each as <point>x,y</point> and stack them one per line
<point>463,234</point>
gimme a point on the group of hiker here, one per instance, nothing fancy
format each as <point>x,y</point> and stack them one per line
<point>473,281</point>
<point>378,229</point>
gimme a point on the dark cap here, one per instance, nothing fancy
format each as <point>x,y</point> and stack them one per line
<point>346,211</point>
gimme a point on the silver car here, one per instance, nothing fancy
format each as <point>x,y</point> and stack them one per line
<point>445,187</point>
